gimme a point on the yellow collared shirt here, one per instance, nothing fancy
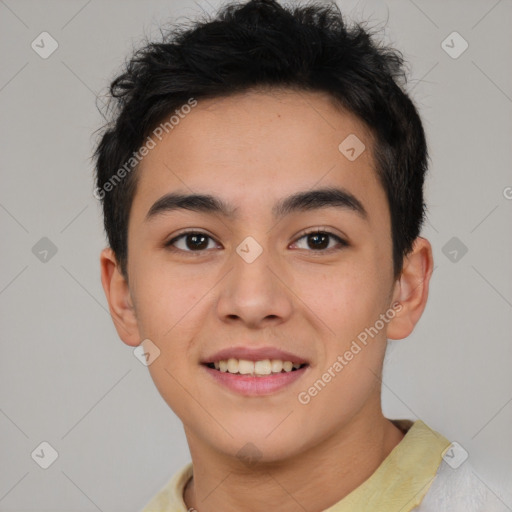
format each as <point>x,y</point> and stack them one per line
<point>399,483</point>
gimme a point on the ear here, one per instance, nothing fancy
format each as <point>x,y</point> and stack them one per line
<point>411,289</point>
<point>119,299</point>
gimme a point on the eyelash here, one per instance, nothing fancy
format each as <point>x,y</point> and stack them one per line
<point>341,242</point>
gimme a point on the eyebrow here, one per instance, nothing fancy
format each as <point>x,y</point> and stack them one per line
<point>299,202</point>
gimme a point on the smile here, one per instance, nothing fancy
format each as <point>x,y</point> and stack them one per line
<point>254,368</point>
<point>255,378</point>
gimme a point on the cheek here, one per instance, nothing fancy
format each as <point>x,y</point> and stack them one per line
<point>330,402</point>
<point>167,302</point>
<point>346,299</point>
<point>168,314</point>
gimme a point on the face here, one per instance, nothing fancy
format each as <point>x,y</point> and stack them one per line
<point>267,279</point>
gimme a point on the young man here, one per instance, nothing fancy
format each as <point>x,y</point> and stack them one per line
<point>262,193</point>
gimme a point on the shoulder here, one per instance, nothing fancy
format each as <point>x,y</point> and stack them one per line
<point>461,489</point>
<point>170,497</point>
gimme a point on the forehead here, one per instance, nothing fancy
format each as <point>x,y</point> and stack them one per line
<point>256,147</point>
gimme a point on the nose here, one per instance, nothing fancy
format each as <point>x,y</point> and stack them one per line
<point>255,292</point>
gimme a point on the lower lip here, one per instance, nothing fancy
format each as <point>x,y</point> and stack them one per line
<point>256,386</point>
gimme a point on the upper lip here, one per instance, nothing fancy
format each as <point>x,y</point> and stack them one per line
<point>254,354</point>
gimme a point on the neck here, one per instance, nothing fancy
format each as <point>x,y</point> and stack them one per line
<point>312,480</point>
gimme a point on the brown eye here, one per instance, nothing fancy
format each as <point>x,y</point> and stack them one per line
<point>191,241</point>
<point>316,241</point>
<point>319,241</point>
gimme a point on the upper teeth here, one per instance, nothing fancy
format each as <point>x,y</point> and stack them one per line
<point>263,367</point>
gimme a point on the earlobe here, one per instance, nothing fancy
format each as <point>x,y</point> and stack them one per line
<point>119,300</point>
<point>411,289</point>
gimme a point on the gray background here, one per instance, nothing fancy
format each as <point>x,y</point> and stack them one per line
<point>67,379</point>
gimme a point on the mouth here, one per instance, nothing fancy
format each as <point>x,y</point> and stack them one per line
<point>255,378</point>
<point>261,368</point>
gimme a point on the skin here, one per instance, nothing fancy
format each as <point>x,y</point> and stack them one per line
<point>251,150</point>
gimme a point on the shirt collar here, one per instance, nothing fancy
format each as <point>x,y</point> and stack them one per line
<point>399,483</point>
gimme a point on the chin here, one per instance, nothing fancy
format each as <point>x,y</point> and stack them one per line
<point>254,446</point>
